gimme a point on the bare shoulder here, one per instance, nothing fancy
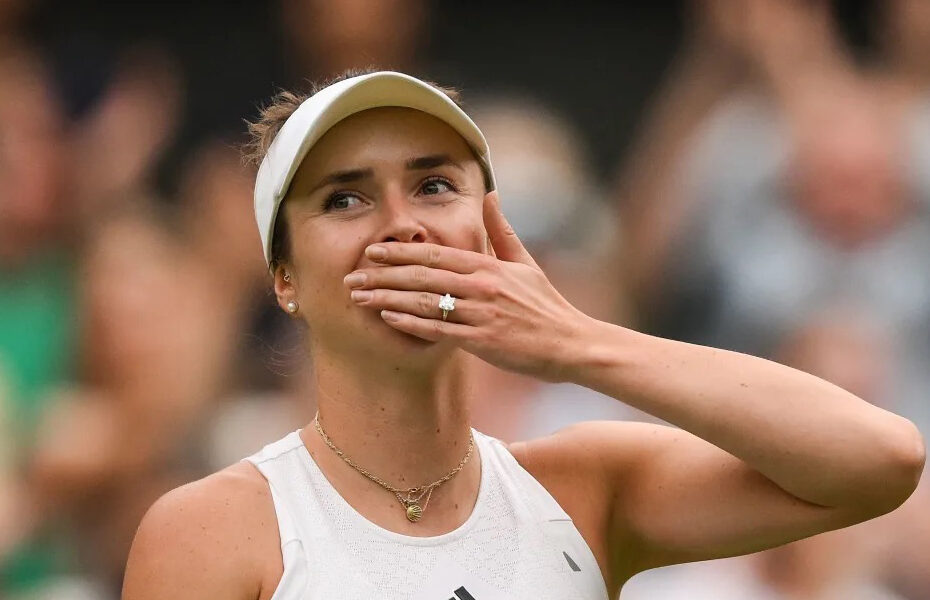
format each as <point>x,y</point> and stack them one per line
<point>576,465</point>
<point>592,448</point>
<point>613,460</point>
<point>210,538</point>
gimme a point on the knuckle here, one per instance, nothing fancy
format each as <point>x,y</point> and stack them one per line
<point>491,265</point>
<point>487,289</point>
<point>420,274</point>
<point>492,316</point>
<point>433,255</point>
<point>425,301</point>
<point>438,327</point>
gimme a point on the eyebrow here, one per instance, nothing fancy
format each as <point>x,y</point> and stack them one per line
<point>342,177</point>
<point>431,162</point>
<point>419,163</point>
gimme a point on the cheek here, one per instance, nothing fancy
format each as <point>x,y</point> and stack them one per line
<point>322,258</point>
<point>461,226</point>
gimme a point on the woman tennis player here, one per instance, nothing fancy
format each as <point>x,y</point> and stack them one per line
<point>380,224</point>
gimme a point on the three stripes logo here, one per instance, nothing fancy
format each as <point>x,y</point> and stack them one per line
<point>462,594</point>
<point>574,566</point>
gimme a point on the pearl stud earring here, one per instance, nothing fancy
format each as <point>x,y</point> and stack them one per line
<point>292,307</point>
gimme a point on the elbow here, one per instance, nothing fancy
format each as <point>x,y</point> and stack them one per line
<point>914,457</point>
<point>900,471</point>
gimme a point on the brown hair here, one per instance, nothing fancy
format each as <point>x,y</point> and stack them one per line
<point>271,118</point>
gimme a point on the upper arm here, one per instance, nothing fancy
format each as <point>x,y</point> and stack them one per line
<point>201,541</point>
<point>676,498</point>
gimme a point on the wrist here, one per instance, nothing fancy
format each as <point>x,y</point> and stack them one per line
<point>598,348</point>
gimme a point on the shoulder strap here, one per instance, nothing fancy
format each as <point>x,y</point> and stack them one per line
<point>521,483</point>
<point>276,462</point>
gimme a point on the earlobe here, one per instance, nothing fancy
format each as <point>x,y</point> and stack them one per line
<point>284,289</point>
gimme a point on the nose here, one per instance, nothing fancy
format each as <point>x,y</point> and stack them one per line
<point>400,222</point>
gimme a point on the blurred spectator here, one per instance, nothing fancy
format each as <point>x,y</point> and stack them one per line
<point>218,226</point>
<point>834,565</point>
<point>907,553</point>
<point>551,196</point>
<point>129,428</point>
<point>215,200</point>
<point>262,394</point>
<point>776,203</point>
<point>839,565</point>
<point>791,195</point>
<point>12,524</point>
<point>63,184</point>
<point>845,348</point>
<point>903,28</point>
<point>117,146</point>
<point>11,14</point>
<point>36,313</point>
<point>709,68</point>
<point>327,38</point>
<point>902,75</point>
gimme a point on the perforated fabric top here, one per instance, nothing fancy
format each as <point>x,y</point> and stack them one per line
<point>518,543</point>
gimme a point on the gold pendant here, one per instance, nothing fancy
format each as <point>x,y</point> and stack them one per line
<point>414,512</point>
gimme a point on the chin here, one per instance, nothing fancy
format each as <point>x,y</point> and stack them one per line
<point>402,337</point>
<point>404,347</point>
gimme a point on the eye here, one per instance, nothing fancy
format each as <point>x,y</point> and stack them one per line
<point>436,185</point>
<point>341,201</point>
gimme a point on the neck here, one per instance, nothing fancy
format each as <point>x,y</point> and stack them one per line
<point>408,426</point>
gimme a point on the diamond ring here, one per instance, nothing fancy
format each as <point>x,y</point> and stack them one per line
<point>447,304</point>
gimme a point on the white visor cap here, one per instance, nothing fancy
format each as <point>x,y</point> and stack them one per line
<point>319,113</point>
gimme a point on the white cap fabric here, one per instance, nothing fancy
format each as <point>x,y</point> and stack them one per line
<point>316,115</point>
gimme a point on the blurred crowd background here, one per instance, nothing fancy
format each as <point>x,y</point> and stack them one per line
<point>750,174</point>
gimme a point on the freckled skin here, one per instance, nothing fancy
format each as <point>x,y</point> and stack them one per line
<point>326,246</point>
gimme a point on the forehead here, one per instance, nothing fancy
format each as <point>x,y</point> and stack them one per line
<point>380,136</point>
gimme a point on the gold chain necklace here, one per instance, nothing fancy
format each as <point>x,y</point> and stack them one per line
<point>409,498</point>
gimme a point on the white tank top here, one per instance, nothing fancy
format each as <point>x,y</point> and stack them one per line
<point>517,544</point>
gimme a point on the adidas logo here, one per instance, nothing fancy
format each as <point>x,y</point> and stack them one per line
<point>462,594</point>
<point>574,566</point>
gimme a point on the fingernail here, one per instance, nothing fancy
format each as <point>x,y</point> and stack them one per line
<point>361,295</point>
<point>388,315</point>
<point>355,279</point>
<point>376,252</point>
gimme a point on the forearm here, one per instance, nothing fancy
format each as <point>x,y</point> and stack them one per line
<point>813,439</point>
